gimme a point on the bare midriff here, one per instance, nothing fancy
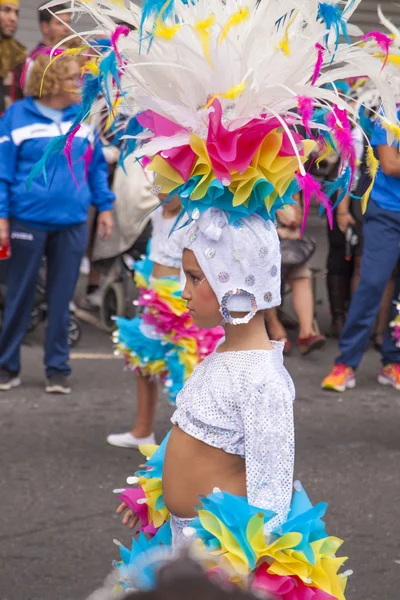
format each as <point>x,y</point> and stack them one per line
<point>193,468</point>
<point>160,271</point>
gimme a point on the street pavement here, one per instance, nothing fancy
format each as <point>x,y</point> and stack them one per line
<point>57,520</point>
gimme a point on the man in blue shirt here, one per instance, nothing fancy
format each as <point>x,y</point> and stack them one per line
<point>380,255</point>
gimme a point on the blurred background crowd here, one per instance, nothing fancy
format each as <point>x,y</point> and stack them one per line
<point>104,226</point>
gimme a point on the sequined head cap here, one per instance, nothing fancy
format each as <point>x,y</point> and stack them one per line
<point>241,260</point>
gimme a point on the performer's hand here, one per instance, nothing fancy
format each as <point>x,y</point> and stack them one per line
<point>130,518</point>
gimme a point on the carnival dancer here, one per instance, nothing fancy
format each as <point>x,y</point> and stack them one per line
<point>222,88</point>
<point>162,343</point>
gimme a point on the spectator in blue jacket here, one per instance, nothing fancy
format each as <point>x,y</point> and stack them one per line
<point>50,219</point>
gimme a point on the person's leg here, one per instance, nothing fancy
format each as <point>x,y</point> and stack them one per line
<point>143,429</point>
<point>339,273</point>
<point>146,407</point>
<point>303,304</point>
<point>390,352</point>
<point>64,251</point>
<point>385,310</point>
<point>27,248</point>
<point>378,262</point>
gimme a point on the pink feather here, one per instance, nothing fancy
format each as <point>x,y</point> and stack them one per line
<point>343,137</point>
<point>119,31</point>
<point>312,188</point>
<point>68,151</point>
<point>30,60</point>
<point>306,108</point>
<point>87,159</point>
<point>383,41</point>
<point>318,64</point>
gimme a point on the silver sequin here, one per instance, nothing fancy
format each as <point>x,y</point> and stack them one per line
<point>263,251</point>
<point>192,237</point>
<point>238,254</point>
<point>209,252</point>
<point>223,277</point>
<point>250,280</point>
<point>195,214</point>
<point>156,190</point>
<point>274,271</point>
<point>268,297</point>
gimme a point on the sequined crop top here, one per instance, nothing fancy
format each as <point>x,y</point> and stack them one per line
<point>242,402</point>
<point>166,249</point>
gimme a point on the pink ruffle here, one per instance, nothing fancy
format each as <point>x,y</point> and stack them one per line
<point>285,588</point>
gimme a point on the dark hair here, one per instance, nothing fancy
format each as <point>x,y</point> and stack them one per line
<point>45,16</point>
<point>184,579</point>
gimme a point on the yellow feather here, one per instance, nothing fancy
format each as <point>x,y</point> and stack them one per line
<point>372,166</point>
<point>240,16</point>
<point>166,32</point>
<point>231,94</point>
<point>203,29</point>
<point>284,43</point>
<point>394,129</point>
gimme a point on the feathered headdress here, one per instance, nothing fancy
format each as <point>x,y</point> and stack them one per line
<point>234,95</point>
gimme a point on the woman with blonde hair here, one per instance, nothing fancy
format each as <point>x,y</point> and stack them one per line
<point>50,219</point>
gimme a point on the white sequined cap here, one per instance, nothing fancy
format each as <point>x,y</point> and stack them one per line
<point>241,260</point>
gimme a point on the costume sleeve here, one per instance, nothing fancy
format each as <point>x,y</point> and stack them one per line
<point>269,448</point>
<point>103,197</point>
<point>8,161</point>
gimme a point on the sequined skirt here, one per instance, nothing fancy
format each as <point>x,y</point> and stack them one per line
<point>162,341</point>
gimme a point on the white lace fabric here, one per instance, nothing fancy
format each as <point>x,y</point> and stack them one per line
<point>242,403</point>
<point>166,249</point>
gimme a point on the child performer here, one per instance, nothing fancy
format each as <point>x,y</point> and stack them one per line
<point>225,89</point>
<point>162,343</point>
<point>231,447</point>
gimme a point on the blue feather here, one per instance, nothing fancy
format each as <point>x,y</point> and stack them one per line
<point>333,17</point>
<point>56,146</point>
<point>341,183</point>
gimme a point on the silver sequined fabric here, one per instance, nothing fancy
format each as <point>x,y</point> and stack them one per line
<point>166,248</point>
<point>242,402</point>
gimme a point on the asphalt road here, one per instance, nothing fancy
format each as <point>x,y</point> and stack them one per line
<point>57,474</point>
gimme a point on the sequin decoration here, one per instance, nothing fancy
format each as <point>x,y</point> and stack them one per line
<point>250,280</point>
<point>195,214</point>
<point>274,271</point>
<point>268,297</point>
<point>209,252</point>
<point>238,225</point>
<point>224,310</point>
<point>238,254</point>
<point>156,190</point>
<point>224,277</point>
<point>192,237</point>
<point>263,251</point>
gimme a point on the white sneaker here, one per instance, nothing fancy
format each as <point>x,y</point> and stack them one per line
<point>127,440</point>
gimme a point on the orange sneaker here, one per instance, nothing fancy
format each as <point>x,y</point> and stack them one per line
<point>390,375</point>
<point>340,379</point>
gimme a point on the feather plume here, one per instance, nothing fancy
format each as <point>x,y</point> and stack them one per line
<point>313,189</point>
<point>383,41</point>
<point>372,167</point>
